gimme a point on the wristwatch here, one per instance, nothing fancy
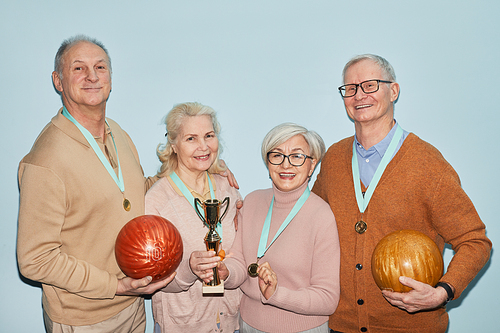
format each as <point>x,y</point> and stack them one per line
<point>448,289</point>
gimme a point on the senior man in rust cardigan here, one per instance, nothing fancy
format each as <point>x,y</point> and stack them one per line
<point>385,187</point>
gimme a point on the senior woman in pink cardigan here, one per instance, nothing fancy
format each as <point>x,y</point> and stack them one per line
<point>286,255</point>
<point>190,169</point>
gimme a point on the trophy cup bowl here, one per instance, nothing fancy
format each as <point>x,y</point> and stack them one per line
<point>211,218</point>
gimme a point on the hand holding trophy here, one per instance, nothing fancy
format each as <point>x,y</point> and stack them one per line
<point>211,218</point>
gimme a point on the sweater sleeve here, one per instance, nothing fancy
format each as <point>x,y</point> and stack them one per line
<point>149,181</point>
<point>41,217</point>
<point>458,222</point>
<point>235,261</point>
<point>322,295</point>
<point>320,185</point>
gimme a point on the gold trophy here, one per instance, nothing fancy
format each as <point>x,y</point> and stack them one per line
<point>211,207</point>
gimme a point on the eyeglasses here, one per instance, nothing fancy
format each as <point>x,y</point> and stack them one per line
<point>368,87</point>
<point>297,160</point>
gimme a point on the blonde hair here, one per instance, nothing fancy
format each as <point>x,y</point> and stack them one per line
<point>173,122</point>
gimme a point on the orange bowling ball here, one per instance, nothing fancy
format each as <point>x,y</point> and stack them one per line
<point>148,245</point>
<point>407,253</point>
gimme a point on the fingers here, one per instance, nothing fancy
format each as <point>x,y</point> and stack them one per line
<point>140,283</point>
<point>267,280</point>
<point>202,264</point>
<point>223,271</point>
<point>267,274</point>
<point>409,282</point>
<point>159,284</point>
<point>235,220</point>
<point>421,297</point>
<point>144,286</point>
<point>230,177</point>
<point>204,258</point>
<point>239,204</point>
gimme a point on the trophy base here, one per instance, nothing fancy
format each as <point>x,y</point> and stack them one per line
<point>213,290</point>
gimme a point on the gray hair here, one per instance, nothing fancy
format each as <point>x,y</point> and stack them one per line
<point>385,66</point>
<point>70,42</point>
<point>173,122</point>
<point>283,132</point>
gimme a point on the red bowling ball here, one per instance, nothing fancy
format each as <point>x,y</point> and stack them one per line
<point>148,245</point>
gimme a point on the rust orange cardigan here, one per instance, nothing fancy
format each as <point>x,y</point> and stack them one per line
<point>419,190</point>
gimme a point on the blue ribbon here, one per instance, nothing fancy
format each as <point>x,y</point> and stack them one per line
<point>90,139</point>
<point>364,200</point>
<point>189,197</point>
<point>267,223</point>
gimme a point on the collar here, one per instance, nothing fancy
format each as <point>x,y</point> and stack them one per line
<point>70,129</point>
<point>282,199</point>
<point>206,188</point>
<point>380,147</point>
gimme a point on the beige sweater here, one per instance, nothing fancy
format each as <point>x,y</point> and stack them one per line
<point>69,215</point>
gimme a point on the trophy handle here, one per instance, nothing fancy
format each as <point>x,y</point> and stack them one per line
<point>196,203</point>
<point>225,211</point>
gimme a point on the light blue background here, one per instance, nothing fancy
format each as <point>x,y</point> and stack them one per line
<point>260,63</point>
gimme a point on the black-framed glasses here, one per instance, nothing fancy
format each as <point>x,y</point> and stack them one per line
<point>297,160</point>
<point>368,87</point>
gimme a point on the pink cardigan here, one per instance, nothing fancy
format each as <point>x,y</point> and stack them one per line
<point>180,306</point>
<point>305,257</point>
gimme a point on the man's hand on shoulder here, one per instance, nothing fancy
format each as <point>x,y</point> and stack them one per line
<point>230,177</point>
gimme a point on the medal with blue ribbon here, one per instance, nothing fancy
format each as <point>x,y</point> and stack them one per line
<point>364,199</point>
<point>262,249</point>
<point>92,142</point>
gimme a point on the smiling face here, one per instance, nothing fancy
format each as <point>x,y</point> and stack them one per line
<point>374,107</point>
<point>196,145</point>
<point>285,176</point>
<point>86,77</point>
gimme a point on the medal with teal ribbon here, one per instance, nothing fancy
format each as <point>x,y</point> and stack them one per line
<point>90,139</point>
<point>187,194</point>
<point>361,199</point>
<point>262,249</point>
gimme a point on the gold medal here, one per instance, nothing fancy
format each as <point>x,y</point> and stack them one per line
<point>126,204</point>
<point>252,269</point>
<point>360,227</point>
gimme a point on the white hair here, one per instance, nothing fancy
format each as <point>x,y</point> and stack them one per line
<point>385,66</point>
<point>283,132</point>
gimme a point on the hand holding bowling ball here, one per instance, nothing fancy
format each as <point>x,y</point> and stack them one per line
<point>148,245</point>
<point>406,253</point>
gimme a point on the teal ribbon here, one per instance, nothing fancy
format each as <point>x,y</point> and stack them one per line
<point>364,200</point>
<point>90,139</point>
<point>189,197</point>
<point>267,223</point>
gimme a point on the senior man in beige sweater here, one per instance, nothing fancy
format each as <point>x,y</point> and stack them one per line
<point>73,203</point>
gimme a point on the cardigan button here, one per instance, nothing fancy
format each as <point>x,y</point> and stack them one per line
<point>363,329</point>
<point>359,267</point>
<point>360,302</point>
<point>360,227</point>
